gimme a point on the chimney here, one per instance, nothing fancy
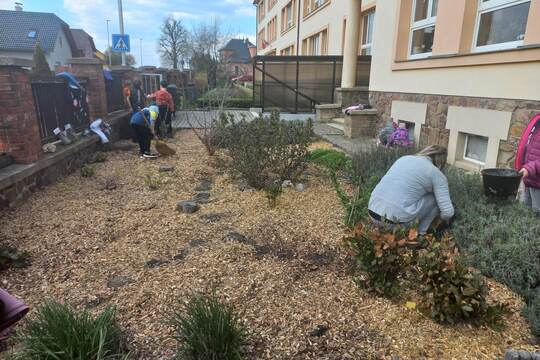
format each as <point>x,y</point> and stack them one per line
<point>18,6</point>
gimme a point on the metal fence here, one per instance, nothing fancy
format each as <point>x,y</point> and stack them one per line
<point>297,83</point>
<point>57,104</point>
<point>115,94</point>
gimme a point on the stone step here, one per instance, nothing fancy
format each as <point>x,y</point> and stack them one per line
<point>338,126</point>
<point>338,121</point>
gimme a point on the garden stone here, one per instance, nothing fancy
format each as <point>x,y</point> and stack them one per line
<point>187,207</point>
<point>287,183</point>
<point>202,198</point>
<point>319,331</point>
<point>300,187</point>
<point>511,354</point>
<point>117,282</point>
<point>181,256</point>
<point>205,185</point>
<point>524,355</point>
<point>153,263</point>
<point>212,217</point>
<point>234,236</point>
<point>166,168</point>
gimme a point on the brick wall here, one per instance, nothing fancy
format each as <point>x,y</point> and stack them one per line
<point>92,71</point>
<point>19,128</point>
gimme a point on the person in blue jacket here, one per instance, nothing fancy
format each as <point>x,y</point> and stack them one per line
<point>142,123</point>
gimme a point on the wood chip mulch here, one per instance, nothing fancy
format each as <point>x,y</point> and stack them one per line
<point>112,240</point>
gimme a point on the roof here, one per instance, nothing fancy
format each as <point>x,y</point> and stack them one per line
<point>16,25</point>
<point>239,49</point>
<point>84,42</point>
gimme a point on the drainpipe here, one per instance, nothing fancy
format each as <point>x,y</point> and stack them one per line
<point>298,28</point>
<point>352,41</point>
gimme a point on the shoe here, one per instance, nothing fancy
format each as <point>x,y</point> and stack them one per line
<point>62,136</point>
<point>70,132</point>
<point>150,155</point>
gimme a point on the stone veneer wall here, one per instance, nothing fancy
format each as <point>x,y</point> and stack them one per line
<point>434,131</point>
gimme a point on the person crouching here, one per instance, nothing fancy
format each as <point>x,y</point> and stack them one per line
<point>142,123</point>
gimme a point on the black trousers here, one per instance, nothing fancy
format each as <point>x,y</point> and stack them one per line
<point>143,136</point>
<point>164,120</point>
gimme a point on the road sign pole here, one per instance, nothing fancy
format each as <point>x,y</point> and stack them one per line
<point>121,20</point>
<point>109,43</point>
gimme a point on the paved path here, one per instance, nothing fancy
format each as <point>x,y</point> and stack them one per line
<point>336,137</point>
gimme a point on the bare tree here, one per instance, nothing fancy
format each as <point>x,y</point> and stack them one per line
<point>173,42</point>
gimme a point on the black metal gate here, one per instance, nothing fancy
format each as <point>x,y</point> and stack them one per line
<point>297,83</point>
<point>57,104</point>
<point>115,97</point>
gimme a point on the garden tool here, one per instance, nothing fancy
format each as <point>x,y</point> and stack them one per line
<point>164,149</point>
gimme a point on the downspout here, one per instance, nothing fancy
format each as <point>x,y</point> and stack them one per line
<point>298,29</point>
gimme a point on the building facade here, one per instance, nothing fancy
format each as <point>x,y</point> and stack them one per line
<point>461,73</point>
<point>237,58</point>
<point>309,27</point>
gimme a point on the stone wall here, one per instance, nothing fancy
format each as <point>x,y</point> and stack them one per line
<point>352,96</point>
<point>434,131</point>
<point>18,181</point>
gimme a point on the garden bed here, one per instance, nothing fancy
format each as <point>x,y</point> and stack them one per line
<point>285,270</point>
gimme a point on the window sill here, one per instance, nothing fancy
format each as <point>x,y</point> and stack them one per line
<point>307,16</point>
<point>527,53</point>
<point>469,165</point>
<point>287,30</point>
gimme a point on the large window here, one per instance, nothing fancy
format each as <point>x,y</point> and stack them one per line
<point>271,32</point>
<point>289,51</point>
<point>423,28</point>
<point>475,149</point>
<point>367,33</point>
<point>501,24</point>
<point>271,4</point>
<point>288,18</point>
<point>262,10</point>
<point>316,45</point>
<point>261,41</point>
<point>312,5</point>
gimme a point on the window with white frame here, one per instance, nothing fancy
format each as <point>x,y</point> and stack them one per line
<point>423,28</point>
<point>316,45</point>
<point>475,149</point>
<point>367,33</point>
<point>501,24</point>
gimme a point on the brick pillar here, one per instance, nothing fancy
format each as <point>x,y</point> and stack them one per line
<point>19,127</point>
<point>92,70</point>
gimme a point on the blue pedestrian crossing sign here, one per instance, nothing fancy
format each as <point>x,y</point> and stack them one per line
<point>120,43</point>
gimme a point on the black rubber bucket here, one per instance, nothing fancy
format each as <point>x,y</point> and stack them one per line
<point>501,183</point>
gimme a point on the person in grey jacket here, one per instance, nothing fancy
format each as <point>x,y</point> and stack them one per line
<point>414,190</point>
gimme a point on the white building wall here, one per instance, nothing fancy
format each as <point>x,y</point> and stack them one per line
<point>61,52</point>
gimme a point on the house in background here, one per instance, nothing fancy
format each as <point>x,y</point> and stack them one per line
<point>20,31</point>
<point>237,56</point>
<point>85,43</point>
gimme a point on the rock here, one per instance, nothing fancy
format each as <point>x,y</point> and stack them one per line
<point>524,355</point>
<point>153,263</point>
<point>187,207</point>
<point>181,256</point>
<point>166,168</point>
<point>205,185</point>
<point>117,282</point>
<point>202,198</point>
<point>212,217</point>
<point>300,187</point>
<point>287,183</point>
<point>511,354</point>
<point>197,243</point>
<point>234,236</point>
<point>319,331</point>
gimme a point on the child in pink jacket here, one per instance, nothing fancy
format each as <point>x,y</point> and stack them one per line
<point>528,163</point>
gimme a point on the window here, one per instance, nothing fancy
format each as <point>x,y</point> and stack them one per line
<point>32,34</point>
<point>289,51</point>
<point>312,5</point>
<point>475,149</point>
<point>271,4</point>
<point>423,28</point>
<point>272,29</point>
<point>288,18</point>
<point>262,10</point>
<point>501,24</point>
<point>367,33</point>
<point>262,44</point>
<point>316,45</point>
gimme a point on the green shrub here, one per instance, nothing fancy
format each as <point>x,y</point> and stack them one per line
<point>382,256</point>
<point>267,149</point>
<point>452,291</point>
<point>273,192</point>
<point>376,161</point>
<point>206,329</point>
<point>87,171</point>
<point>58,332</point>
<point>10,257</point>
<point>98,157</point>
<point>331,159</point>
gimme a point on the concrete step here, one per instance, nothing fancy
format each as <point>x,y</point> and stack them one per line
<point>338,121</point>
<point>338,126</point>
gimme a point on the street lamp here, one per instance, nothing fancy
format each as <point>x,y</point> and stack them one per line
<point>109,43</point>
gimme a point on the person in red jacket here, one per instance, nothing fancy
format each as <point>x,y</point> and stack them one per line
<point>165,103</point>
<point>528,163</point>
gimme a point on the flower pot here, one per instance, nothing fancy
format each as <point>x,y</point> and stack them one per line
<point>501,183</point>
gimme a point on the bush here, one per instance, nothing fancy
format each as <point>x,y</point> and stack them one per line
<point>87,171</point>
<point>58,332</point>
<point>331,159</point>
<point>382,256</point>
<point>374,163</point>
<point>98,157</point>
<point>267,149</point>
<point>273,192</point>
<point>452,291</point>
<point>206,329</point>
